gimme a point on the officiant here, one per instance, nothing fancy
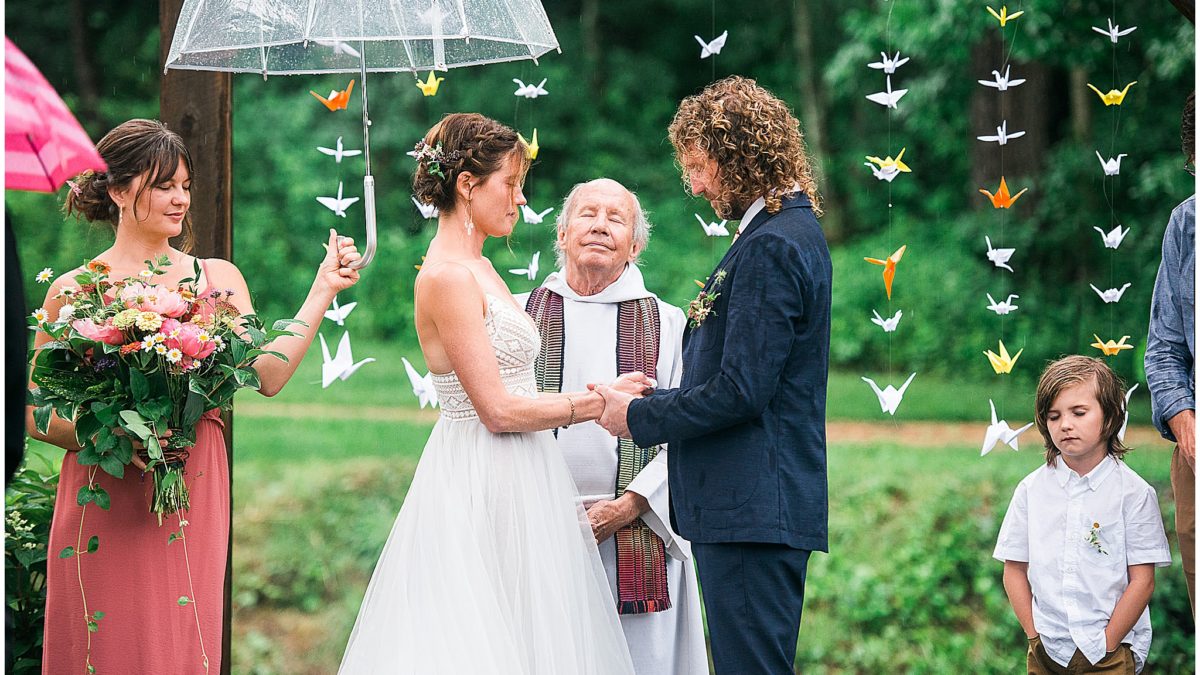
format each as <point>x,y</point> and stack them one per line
<point>597,321</point>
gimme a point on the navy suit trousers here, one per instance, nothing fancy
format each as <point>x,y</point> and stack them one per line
<point>753,596</point>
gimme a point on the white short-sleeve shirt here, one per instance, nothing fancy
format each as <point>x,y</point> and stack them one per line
<point>1076,581</point>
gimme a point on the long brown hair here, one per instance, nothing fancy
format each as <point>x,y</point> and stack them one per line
<point>131,149</point>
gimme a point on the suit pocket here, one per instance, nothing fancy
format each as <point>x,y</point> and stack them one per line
<point>730,469</point>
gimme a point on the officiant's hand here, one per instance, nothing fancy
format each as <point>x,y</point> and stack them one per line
<point>635,383</point>
<point>616,406</point>
<point>609,515</point>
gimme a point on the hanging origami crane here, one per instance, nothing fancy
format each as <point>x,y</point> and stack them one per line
<point>338,100</point>
<point>422,385</point>
<point>888,325</point>
<point>430,86</point>
<point>1001,83</point>
<point>889,268</point>
<point>530,90</point>
<point>342,366</point>
<point>532,217</point>
<point>337,152</point>
<point>337,204</point>
<point>1111,347</point>
<point>1111,295</point>
<point>713,229</point>
<point>1004,17</point>
<point>999,256</point>
<point>1002,136</point>
<point>1113,33</point>
<point>889,397</point>
<point>1114,237</point>
<point>1002,363</point>
<point>1113,97</point>
<point>1002,199</point>
<point>1128,394</point>
<point>999,432</point>
<point>338,313</point>
<point>1002,308</point>
<point>888,98</point>
<point>888,65</point>
<point>888,168</point>
<point>1112,165</point>
<point>708,49</point>
<point>531,147</point>
<point>530,272</point>
<point>428,211</point>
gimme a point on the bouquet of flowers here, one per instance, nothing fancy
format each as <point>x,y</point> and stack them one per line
<point>130,359</point>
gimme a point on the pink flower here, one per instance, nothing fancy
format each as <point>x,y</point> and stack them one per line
<point>105,332</point>
<point>149,298</point>
<point>170,326</point>
<point>195,341</point>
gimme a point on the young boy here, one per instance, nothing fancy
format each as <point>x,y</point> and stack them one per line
<point>1083,533</point>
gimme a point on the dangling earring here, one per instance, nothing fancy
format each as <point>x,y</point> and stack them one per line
<point>470,224</point>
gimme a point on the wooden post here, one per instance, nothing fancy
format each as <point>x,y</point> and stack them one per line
<point>198,105</point>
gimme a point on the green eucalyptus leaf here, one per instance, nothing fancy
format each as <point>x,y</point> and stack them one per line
<point>67,552</point>
<point>102,498</point>
<point>93,544</point>
<point>85,495</point>
<point>112,466</point>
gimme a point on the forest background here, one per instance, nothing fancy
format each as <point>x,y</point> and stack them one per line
<point>624,66</point>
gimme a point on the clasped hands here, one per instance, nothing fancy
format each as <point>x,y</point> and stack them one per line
<point>617,396</point>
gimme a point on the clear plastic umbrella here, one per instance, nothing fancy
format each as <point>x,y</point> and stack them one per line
<point>296,37</point>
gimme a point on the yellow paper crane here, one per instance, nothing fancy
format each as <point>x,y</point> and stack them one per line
<point>1002,199</point>
<point>531,147</point>
<point>1004,17</point>
<point>889,268</point>
<point>1003,363</point>
<point>1111,348</point>
<point>889,163</point>
<point>418,267</point>
<point>1113,97</point>
<point>430,86</point>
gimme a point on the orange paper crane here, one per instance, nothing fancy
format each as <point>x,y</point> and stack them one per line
<point>1002,199</point>
<point>889,268</point>
<point>338,100</point>
<point>1112,97</point>
<point>1111,347</point>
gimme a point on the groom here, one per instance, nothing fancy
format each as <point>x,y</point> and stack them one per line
<point>747,425</point>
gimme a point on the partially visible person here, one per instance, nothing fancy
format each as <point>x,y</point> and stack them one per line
<point>135,579</point>
<point>1171,356</point>
<point>1083,532</point>
<point>598,321</point>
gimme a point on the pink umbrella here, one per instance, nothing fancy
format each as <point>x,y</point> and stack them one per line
<point>44,144</point>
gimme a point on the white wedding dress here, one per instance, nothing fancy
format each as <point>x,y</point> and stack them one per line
<point>491,566</point>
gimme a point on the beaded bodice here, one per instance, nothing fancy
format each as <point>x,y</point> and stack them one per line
<point>515,343</point>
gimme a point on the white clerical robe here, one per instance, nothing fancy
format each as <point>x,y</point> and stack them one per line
<point>670,641</point>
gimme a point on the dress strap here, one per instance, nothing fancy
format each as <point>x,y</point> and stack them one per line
<point>204,271</point>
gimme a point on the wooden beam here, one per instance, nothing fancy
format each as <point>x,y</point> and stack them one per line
<point>198,105</point>
<point>1187,8</point>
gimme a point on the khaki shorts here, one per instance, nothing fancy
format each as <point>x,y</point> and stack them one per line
<point>1119,661</point>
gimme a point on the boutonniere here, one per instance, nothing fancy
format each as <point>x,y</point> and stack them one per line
<point>1094,538</point>
<point>701,307</point>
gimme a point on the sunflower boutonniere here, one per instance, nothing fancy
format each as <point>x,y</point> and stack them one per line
<point>701,307</point>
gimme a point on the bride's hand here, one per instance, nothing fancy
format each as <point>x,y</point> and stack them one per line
<point>635,384</point>
<point>334,270</point>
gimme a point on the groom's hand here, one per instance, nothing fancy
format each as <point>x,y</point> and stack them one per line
<point>609,515</point>
<point>616,406</point>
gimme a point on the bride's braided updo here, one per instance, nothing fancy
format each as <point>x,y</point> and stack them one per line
<point>461,142</point>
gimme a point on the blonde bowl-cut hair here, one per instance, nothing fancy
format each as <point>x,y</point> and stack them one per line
<point>1110,394</point>
<point>753,137</point>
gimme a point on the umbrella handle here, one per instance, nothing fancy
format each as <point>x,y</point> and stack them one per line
<point>369,204</point>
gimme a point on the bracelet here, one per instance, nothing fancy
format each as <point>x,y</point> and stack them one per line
<point>572,420</point>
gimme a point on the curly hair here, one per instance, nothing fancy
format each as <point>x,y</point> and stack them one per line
<point>755,140</point>
<point>478,144</point>
<point>133,148</point>
<point>1110,394</point>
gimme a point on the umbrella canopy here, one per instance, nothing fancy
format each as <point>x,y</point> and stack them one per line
<point>44,144</point>
<point>288,37</point>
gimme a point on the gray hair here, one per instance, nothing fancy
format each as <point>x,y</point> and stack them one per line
<point>641,222</point>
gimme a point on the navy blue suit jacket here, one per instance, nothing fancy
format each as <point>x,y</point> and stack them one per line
<point>747,424</point>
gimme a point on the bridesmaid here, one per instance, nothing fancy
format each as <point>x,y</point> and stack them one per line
<point>135,578</point>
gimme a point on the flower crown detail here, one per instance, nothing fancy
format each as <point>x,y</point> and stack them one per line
<point>433,157</point>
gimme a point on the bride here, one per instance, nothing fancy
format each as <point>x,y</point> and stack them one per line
<point>491,565</point>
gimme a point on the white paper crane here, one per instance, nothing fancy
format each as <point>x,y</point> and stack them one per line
<point>1002,308</point>
<point>1111,295</point>
<point>707,49</point>
<point>1114,237</point>
<point>339,47</point>
<point>887,173</point>
<point>1112,165</point>
<point>999,256</point>
<point>713,229</point>
<point>888,325</point>
<point>337,204</point>
<point>999,432</point>
<point>532,217</point>
<point>342,366</point>
<point>532,271</point>
<point>339,313</point>
<point>338,152</point>
<point>1002,136</point>
<point>1114,32</point>
<point>888,97</point>
<point>422,386</point>
<point>1121,433</point>
<point>889,397</point>
<point>530,90</point>
<point>887,65</point>
<point>428,211</point>
<point>1002,83</point>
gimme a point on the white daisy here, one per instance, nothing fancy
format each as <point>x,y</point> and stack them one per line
<point>160,349</point>
<point>174,355</point>
<point>66,312</point>
<point>41,316</point>
<point>45,275</point>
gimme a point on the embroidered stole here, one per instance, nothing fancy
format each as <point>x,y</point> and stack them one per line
<point>641,554</point>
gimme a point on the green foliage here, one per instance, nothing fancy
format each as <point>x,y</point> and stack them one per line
<point>28,510</point>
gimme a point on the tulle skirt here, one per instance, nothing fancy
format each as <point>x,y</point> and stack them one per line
<point>490,567</point>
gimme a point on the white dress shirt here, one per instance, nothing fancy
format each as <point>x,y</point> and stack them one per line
<point>1076,583</point>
